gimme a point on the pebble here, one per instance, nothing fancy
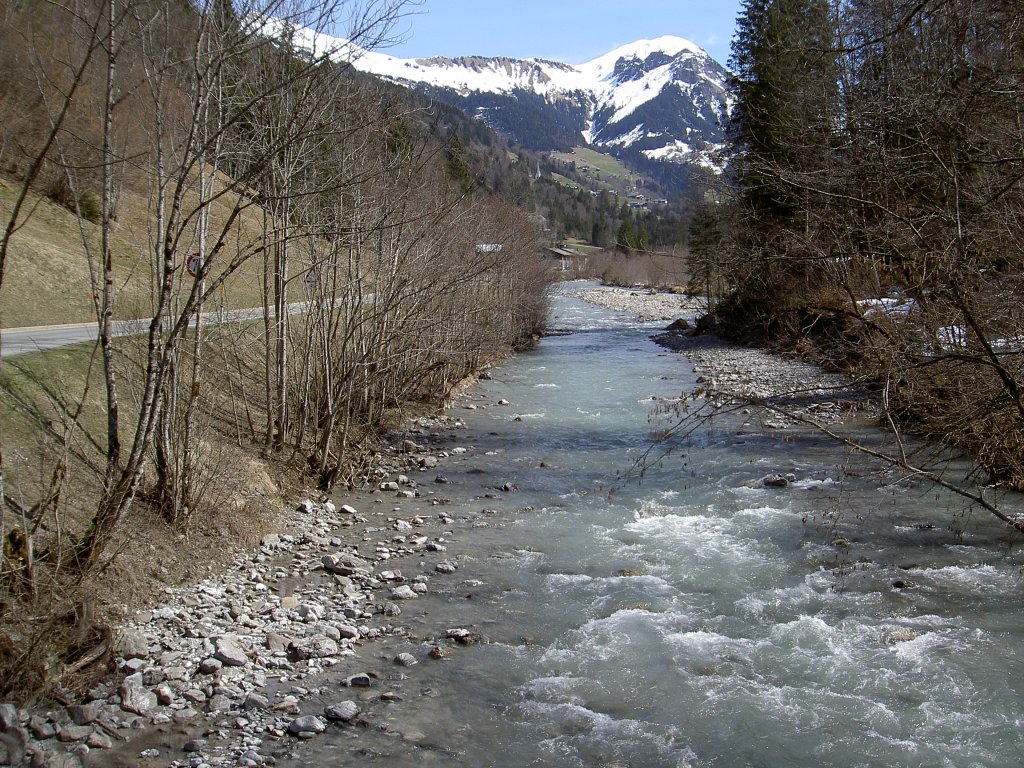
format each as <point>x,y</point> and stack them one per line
<point>345,712</point>
<point>307,724</point>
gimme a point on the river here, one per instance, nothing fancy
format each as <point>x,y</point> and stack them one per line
<point>694,618</point>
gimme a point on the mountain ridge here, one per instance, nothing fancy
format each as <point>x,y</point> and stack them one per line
<point>662,100</point>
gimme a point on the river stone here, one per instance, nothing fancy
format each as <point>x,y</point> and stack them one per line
<point>346,509</point>
<point>230,651</point>
<point>315,647</point>
<point>194,745</point>
<point>344,565</point>
<point>406,660</point>
<point>445,567</point>
<point>361,680</point>
<point>219,703</point>
<point>277,642</point>
<point>900,635</point>
<point>164,694</point>
<point>195,696</point>
<point>348,632</point>
<point>41,727</point>
<point>74,733</point>
<point>134,697</point>
<point>83,714</point>
<point>175,673</point>
<point>99,741</point>
<point>404,592</point>
<point>464,636</point>
<point>777,480</point>
<point>306,724</point>
<point>131,666</point>
<point>210,666</point>
<point>310,612</point>
<point>389,486</point>
<point>130,644</point>
<point>345,712</point>
<point>182,716</point>
<point>9,717</point>
<point>255,701</point>
<point>328,630</point>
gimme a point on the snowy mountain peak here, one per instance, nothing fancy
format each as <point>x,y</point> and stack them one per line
<point>667,45</point>
<point>665,98</point>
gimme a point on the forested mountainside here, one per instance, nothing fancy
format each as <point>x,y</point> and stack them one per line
<point>567,201</point>
<point>877,217</point>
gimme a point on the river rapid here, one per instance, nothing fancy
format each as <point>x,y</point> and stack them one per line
<point>694,617</point>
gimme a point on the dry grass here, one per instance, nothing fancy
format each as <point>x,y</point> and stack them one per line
<point>48,282</point>
<point>46,628</point>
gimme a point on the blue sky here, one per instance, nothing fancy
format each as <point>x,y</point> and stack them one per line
<point>572,31</point>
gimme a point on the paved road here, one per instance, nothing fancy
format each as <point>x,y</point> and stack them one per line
<point>20,341</point>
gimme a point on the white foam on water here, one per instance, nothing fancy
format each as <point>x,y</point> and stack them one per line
<point>699,537</point>
<point>749,491</point>
<point>529,558</point>
<point>983,579</point>
<point>589,733</point>
<point>547,386</point>
<point>809,483</point>
<point>559,687</point>
<point>765,514</point>
<point>807,634</point>
<point>559,581</point>
<point>707,643</point>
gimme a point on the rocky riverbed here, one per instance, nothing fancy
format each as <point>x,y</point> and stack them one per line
<point>229,672</point>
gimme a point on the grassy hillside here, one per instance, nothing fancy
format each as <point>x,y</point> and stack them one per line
<point>48,273</point>
<point>600,170</point>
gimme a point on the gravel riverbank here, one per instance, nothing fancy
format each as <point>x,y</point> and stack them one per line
<point>647,305</point>
<point>231,671</point>
<point>731,374</point>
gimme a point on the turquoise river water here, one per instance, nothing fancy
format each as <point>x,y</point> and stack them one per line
<point>694,618</point>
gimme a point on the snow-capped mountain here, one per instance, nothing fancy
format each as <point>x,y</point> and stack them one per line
<point>665,98</point>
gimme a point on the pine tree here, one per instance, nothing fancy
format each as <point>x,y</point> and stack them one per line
<point>786,93</point>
